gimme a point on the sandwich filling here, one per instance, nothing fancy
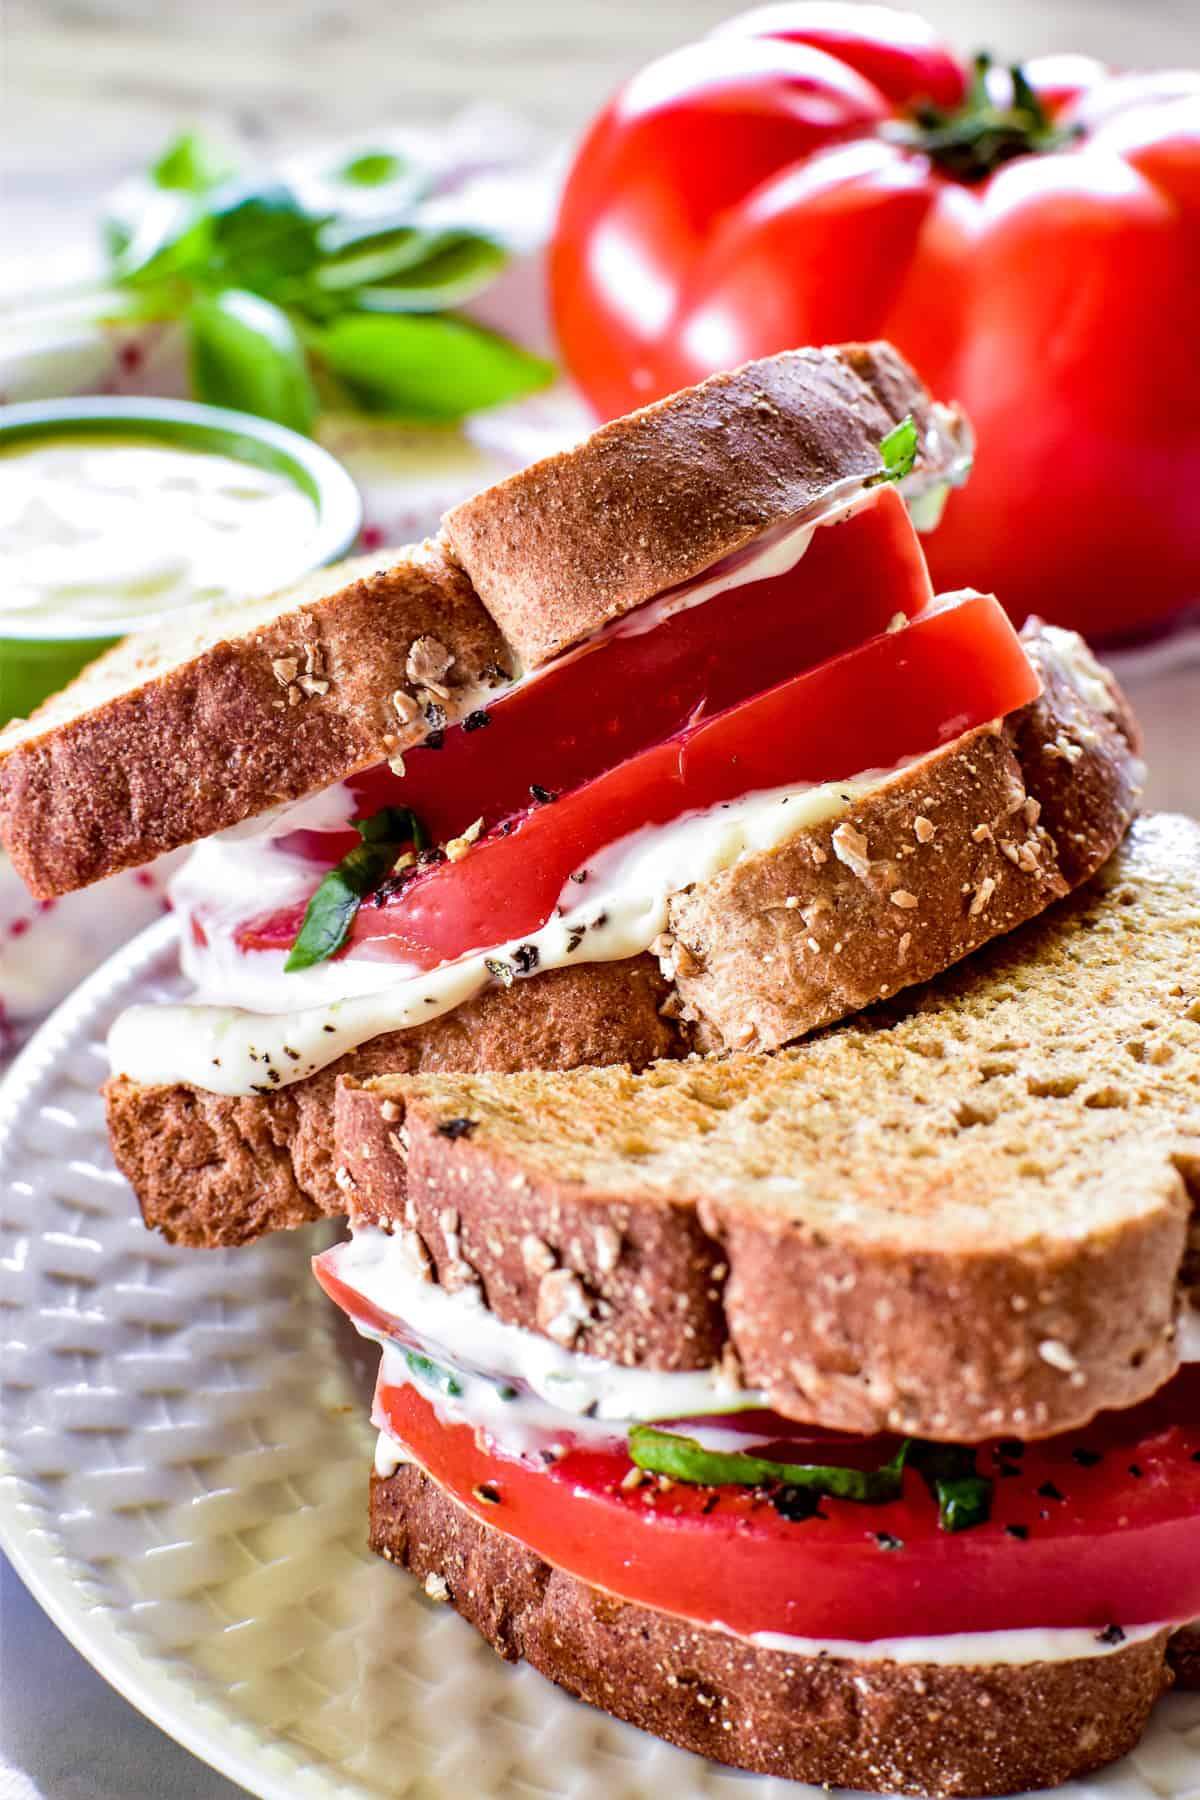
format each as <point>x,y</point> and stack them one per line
<point>295,967</point>
<point>682,1491</point>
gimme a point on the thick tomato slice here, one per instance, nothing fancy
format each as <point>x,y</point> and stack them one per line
<point>901,694</point>
<point>577,719</point>
<point>1091,1529</point>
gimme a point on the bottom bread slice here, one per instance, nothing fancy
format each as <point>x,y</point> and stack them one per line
<point>211,1170</point>
<point>922,1728</point>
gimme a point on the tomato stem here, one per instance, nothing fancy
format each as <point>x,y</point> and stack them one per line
<point>973,140</point>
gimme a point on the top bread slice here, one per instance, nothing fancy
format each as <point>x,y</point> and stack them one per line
<point>654,498</point>
<point>176,734</point>
<point>965,1216</point>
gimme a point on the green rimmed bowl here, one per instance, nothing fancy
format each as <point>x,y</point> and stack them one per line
<point>37,662</point>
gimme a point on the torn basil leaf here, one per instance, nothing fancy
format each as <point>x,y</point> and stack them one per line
<point>899,450</point>
<point>333,908</point>
<point>684,1459</point>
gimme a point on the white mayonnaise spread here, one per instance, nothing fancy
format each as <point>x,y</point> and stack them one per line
<point>619,909</point>
<point>963,1649</point>
<point>99,533</point>
<point>521,1388</point>
<point>525,1393</point>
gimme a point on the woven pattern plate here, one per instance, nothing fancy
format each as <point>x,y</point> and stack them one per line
<point>183,1463</point>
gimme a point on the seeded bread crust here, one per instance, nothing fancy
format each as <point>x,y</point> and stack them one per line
<point>653,498</point>
<point>971,842</point>
<point>211,1170</point>
<point>167,739</point>
<point>741,956</point>
<point>885,1727</point>
<point>1007,1165</point>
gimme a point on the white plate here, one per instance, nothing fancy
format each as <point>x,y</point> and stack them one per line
<point>183,1463</point>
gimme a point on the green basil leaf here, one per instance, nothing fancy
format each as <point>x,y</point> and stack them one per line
<point>683,1459</point>
<point>373,168</point>
<point>374,255</point>
<point>193,163</point>
<point>433,1375</point>
<point>163,235</point>
<point>245,353</point>
<point>334,906</point>
<point>431,369</point>
<point>452,277</point>
<point>899,449</point>
<point>964,1496</point>
<point>264,237</point>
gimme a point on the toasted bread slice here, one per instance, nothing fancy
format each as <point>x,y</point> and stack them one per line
<point>177,734</point>
<point>911,1728</point>
<point>964,1216</point>
<point>960,847</point>
<point>785,941</point>
<point>212,1170</point>
<point>652,499</point>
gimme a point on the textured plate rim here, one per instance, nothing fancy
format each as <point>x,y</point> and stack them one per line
<point>58,1580</point>
<point>51,1573</point>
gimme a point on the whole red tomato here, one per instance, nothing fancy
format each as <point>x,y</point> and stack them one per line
<point>1031,240</point>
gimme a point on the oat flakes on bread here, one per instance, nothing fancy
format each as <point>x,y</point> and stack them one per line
<point>964,1214</point>
<point>177,734</point>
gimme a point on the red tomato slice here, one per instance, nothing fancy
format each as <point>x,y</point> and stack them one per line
<point>576,720</point>
<point>899,695</point>
<point>1090,1529</point>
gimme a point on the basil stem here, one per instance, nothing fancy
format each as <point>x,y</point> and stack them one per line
<point>334,906</point>
<point>683,1459</point>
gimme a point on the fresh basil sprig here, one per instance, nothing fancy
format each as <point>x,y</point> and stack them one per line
<point>899,452</point>
<point>964,1497</point>
<point>683,1459</point>
<point>337,289</point>
<point>333,908</point>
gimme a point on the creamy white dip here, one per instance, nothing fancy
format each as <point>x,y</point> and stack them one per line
<point>101,533</point>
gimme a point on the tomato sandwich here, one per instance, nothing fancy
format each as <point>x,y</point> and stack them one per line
<point>664,745</point>
<point>833,1413</point>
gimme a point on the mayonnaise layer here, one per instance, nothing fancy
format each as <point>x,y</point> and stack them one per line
<point>615,913</point>
<point>523,1389</point>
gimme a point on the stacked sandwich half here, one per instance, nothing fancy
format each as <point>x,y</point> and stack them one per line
<point>782,1400</point>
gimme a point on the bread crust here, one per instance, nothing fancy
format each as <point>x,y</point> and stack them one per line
<point>652,499</point>
<point>915,1320</point>
<point>885,1727</point>
<point>967,844</point>
<point>218,736</point>
<point>213,1170</point>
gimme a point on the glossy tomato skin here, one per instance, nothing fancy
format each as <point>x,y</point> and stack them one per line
<point>1112,1539</point>
<point>1045,297</point>
<point>956,666</point>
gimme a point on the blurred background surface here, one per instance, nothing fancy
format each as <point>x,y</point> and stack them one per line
<point>94,87</point>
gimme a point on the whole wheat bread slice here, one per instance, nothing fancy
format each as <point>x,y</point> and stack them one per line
<point>212,1170</point>
<point>963,1216</point>
<point>174,735</point>
<point>652,499</point>
<point>922,1728</point>
<point>784,942</point>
